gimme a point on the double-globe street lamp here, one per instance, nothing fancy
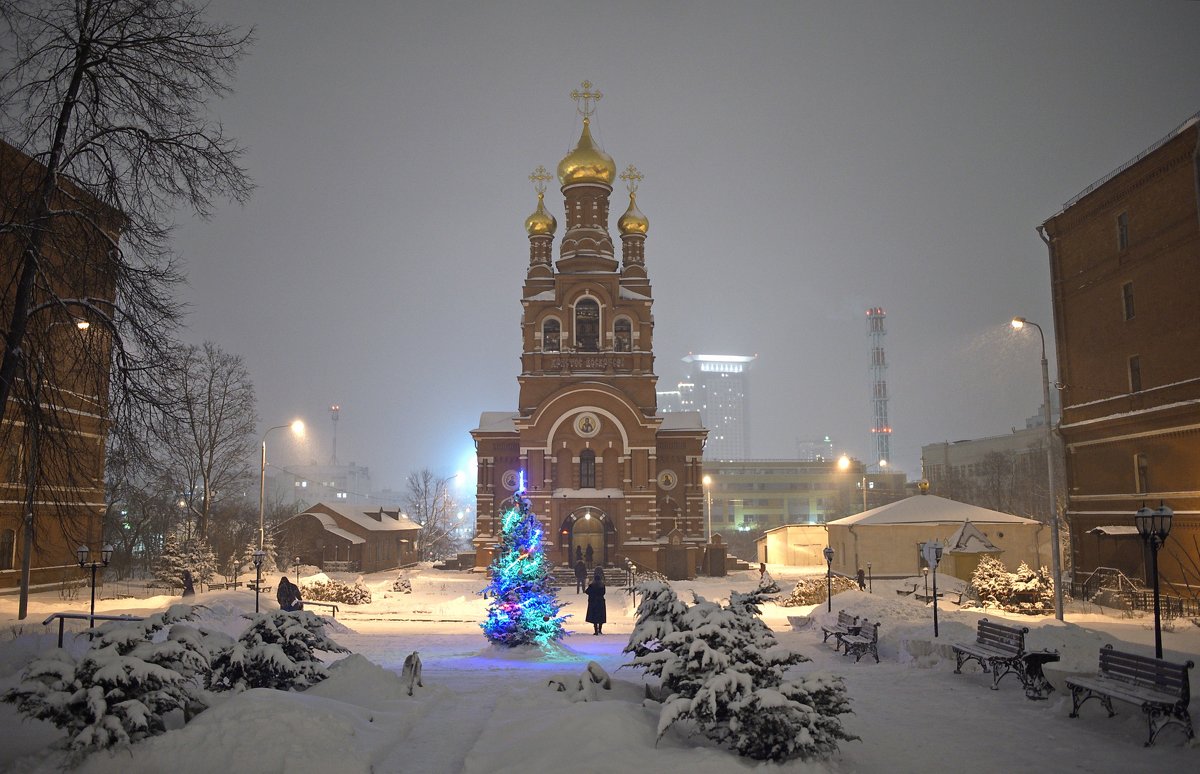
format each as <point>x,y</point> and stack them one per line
<point>1154,526</point>
<point>933,557</point>
<point>106,555</point>
<point>1055,568</point>
<point>259,555</point>
<point>297,427</point>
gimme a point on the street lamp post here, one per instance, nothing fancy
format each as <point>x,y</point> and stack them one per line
<point>1154,526</point>
<point>828,578</point>
<point>297,428</point>
<point>870,583</point>
<point>258,555</point>
<point>708,502</point>
<point>933,556</point>
<point>105,556</point>
<point>1055,566</point>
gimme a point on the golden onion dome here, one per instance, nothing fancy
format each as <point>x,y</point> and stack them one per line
<point>541,222</point>
<point>587,163</point>
<point>633,221</point>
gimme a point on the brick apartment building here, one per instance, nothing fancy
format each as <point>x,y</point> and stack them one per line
<point>1125,265</point>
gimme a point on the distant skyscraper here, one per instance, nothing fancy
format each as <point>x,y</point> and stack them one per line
<point>815,449</point>
<point>720,393</point>
<point>881,430</point>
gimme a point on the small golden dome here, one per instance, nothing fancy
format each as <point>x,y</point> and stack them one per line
<point>587,163</point>
<point>540,222</point>
<point>633,221</point>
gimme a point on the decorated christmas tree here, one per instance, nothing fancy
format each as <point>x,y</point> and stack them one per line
<point>524,606</point>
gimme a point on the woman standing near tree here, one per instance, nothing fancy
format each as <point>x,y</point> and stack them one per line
<point>597,613</point>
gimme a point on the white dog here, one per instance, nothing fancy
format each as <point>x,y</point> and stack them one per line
<point>412,671</point>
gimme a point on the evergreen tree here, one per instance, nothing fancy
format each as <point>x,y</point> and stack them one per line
<point>524,605</point>
<point>270,561</point>
<point>168,570</point>
<point>275,652</point>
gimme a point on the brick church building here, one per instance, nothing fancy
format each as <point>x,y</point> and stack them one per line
<point>607,474</point>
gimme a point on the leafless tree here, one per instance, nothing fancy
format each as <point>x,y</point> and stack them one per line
<point>103,107</point>
<point>996,480</point>
<point>430,504</point>
<point>208,433</point>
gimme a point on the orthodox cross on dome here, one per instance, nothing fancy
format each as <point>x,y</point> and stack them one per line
<point>632,177</point>
<point>539,178</point>
<point>586,99</point>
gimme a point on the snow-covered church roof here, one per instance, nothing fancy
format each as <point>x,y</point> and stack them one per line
<point>967,539</point>
<point>929,509</point>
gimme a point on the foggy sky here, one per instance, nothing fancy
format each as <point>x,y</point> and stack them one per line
<point>803,162</point>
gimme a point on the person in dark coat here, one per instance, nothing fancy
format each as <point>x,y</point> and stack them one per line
<point>590,554</point>
<point>579,553</point>
<point>288,595</point>
<point>597,613</point>
<point>580,576</point>
<point>188,587</point>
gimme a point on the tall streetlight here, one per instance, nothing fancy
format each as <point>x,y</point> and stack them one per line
<point>708,502</point>
<point>258,555</point>
<point>828,578</point>
<point>297,427</point>
<point>1055,568</point>
<point>1154,526</point>
<point>933,556</point>
<point>107,552</point>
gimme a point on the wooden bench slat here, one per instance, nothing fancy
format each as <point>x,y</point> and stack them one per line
<point>1159,687</point>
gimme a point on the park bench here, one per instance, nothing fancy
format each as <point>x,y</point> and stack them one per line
<point>905,592</point>
<point>999,649</point>
<point>861,644</point>
<point>1159,687</point>
<point>846,624</point>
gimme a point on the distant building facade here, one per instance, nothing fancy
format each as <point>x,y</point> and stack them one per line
<point>336,536</point>
<point>302,485</point>
<point>608,475</point>
<point>1124,268</point>
<point>722,395</point>
<point>1006,473</point>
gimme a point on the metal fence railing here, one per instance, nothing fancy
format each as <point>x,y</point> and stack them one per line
<point>91,617</point>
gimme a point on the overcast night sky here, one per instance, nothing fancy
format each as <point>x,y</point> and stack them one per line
<point>803,162</point>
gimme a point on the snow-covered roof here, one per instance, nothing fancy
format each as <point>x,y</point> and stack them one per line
<point>967,539</point>
<point>545,295</point>
<point>632,295</point>
<point>681,420</point>
<point>372,519</point>
<point>497,422</point>
<point>1113,530</point>
<point>929,509</point>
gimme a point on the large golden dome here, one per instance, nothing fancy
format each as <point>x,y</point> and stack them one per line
<point>633,221</point>
<point>587,163</point>
<point>540,222</point>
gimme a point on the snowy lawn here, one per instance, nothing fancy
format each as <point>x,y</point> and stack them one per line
<point>484,709</point>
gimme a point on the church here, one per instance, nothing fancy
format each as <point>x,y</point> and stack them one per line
<point>609,477</point>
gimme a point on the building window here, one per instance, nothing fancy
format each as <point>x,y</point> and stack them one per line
<point>1135,374</point>
<point>587,470</point>
<point>622,335</point>
<point>587,325</point>
<point>1123,231</point>
<point>550,336</point>
<point>1143,473</point>
<point>8,543</point>
<point>1127,299</point>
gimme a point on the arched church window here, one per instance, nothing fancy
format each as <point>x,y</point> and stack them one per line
<point>587,470</point>
<point>550,336</point>
<point>622,335</point>
<point>587,325</point>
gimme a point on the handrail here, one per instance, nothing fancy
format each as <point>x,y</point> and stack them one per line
<point>62,619</point>
<point>307,602</point>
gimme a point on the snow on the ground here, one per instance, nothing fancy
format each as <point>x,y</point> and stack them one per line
<point>486,709</point>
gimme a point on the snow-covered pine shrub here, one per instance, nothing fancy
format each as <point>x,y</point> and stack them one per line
<point>1032,592</point>
<point>122,687</point>
<point>402,585</point>
<point>181,552</point>
<point>276,651</point>
<point>722,669</point>
<point>270,560</point>
<point>992,581</point>
<point>336,591</point>
<point>810,591</point>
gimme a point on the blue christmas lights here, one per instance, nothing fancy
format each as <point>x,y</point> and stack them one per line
<point>524,607</point>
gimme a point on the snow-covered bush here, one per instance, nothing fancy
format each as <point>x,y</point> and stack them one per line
<point>276,651</point>
<point>185,552</point>
<point>810,591</point>
<point>122,687</point>
<point>336,591</point>
<point>1024,591</point>
<point>402,585</point>
<point>722,670</point>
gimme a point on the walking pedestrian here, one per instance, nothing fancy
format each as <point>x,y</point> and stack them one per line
<point>580,576</point>
<point>597,613</point>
